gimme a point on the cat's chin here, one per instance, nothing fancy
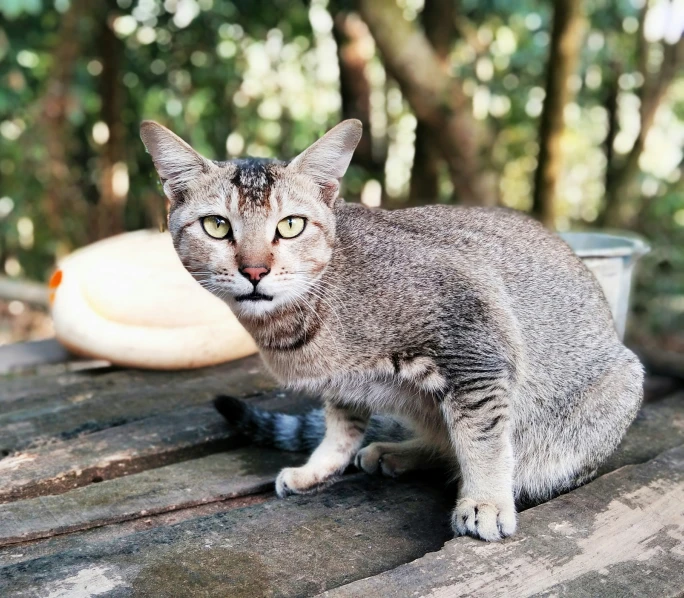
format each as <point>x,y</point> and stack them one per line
<point>253,305</point>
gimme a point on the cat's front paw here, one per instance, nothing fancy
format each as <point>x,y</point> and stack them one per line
<point>488,521</point>
<point>299,480</point>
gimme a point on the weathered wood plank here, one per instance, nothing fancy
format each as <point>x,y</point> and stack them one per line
<point>173,487</point>
<point>112,453</point>
<point>659,426</point>
<point>126,449</point>
<point>95,402</point>
<point>618,536</point>
<point>13,554</point>
<point>42,389</point>
<point>21,356</point>
<point>294,547</point>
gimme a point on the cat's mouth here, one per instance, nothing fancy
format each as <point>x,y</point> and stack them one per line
<point>254,296</point>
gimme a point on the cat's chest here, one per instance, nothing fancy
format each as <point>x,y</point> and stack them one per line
<point>306,367</point>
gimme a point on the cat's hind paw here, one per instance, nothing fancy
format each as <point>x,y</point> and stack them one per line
<point>388,459</point>
<point>373,461</point>
<point>485,520</point>
<point>300,480</point>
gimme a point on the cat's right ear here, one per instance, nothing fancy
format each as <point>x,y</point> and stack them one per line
<point>176,162</point>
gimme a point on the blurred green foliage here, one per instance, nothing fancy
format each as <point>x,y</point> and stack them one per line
<point>262,78</point>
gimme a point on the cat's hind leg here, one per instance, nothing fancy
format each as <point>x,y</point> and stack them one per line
<point>345,429</point>
<point>393,459</point>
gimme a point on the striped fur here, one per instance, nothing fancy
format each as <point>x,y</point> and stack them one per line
<point>478,327</point>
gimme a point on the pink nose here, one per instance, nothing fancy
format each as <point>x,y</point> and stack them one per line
<point>254,273</point>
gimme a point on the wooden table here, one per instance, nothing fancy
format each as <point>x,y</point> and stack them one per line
<point>127,483</point>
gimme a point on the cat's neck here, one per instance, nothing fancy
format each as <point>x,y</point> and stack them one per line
<point>289,327</point>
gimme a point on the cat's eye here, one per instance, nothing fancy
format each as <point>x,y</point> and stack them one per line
<point>216,227</point>
<point>290,227</point>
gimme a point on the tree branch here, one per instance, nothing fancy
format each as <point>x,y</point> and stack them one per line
<point>436,99</point>
<point>620,205</point>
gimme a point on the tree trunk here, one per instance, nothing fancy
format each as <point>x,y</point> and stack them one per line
<point>611,106</point>
<point>436,99</point>
<point>62,196</point>
<point>439,23</point>
<point>113,172</point>
<point>353,40</point>
<point>563,56</point>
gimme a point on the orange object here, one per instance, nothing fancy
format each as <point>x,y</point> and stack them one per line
<point>55,279</point>
<point>129,300</point>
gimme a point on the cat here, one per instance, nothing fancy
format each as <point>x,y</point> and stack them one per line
<point>477,326</point>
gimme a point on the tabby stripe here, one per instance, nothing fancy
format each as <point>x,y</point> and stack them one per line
<point>492,424</point>
<point>481,403</point>
<point>304,339</point>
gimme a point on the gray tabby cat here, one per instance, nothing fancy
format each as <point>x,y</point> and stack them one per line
<point>477,326</point>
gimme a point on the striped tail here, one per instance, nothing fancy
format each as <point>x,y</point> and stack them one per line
<point>298,433</point>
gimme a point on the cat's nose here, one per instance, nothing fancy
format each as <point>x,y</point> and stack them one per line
<point>254,273</point>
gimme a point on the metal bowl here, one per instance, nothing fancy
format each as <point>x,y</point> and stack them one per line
<point>611,258</point>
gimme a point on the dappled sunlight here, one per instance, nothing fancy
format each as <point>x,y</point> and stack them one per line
<point>235,79</point>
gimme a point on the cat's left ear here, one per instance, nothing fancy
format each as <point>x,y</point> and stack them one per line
<point>327,160</point>
<point>176,162</point>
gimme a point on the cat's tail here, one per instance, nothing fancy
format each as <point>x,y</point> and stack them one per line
<point>298,433</point>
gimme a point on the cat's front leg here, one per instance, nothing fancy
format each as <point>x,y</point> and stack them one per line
<point>344,431</point>
<point>478,426</point>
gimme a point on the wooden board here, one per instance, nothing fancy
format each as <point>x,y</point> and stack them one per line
<point>182,507</point>
<point>122,450</point>
<point>200,481</point>
<point>294,547</point>
<point>621,535</point>
<point>65,406</point>
<point>22,356</point>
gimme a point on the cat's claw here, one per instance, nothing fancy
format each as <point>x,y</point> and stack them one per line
<point>485,520</point>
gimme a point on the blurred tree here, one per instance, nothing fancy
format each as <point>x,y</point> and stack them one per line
<point>439,22</point>
<point>437,100</point>
<point>355,50</point>
<point>566,40</point>
<point>63,194</point>
<point>622,196</point>
<point>458,99</point>
<point>113,184</point>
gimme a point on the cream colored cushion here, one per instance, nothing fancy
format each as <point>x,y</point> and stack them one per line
<point>129,300</point>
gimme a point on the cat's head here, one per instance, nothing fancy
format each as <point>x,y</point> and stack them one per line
<point>258,234</point>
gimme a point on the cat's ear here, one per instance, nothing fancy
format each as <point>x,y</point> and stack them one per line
<point>176,162</point>
<point>327,160</point>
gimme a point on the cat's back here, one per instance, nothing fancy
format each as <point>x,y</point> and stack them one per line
<point>487,241</point>
<point>558,306</point>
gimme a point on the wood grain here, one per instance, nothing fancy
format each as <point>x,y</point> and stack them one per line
<point>618,536</point>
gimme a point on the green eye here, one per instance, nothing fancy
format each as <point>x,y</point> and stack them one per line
<point>290,227</point>
<point>215,226</point>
